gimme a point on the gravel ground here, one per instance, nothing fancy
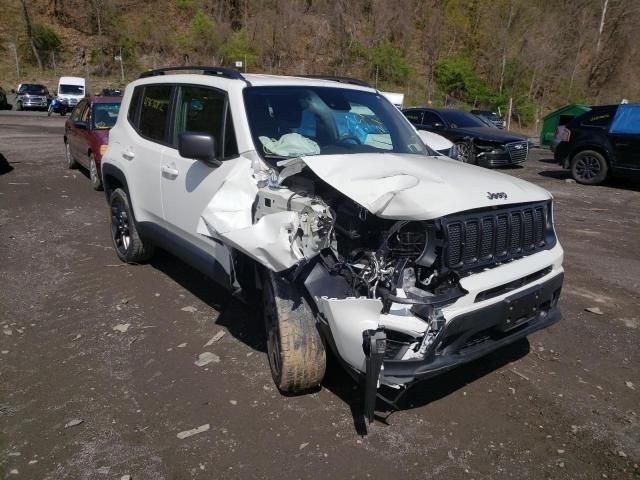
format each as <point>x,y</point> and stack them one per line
<point>97,373</point>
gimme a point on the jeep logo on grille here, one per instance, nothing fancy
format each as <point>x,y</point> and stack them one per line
<point>496,195</point>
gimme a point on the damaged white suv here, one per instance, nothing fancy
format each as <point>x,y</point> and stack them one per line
<point>318,196</point>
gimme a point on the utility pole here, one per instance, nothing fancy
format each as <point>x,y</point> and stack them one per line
<point>15,52</point>
<point>121,66</point>
<point>509,113</point>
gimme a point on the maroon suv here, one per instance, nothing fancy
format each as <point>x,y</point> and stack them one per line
<point>86,134</point>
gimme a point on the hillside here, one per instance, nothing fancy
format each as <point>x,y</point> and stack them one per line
<point>474,52</point>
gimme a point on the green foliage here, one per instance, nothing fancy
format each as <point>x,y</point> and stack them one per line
<point>184,5</point>
<point>239,47</point>
<point>45,37</point>
<point>200,37</point>
<point>390,62</point>
<point>456,76</point>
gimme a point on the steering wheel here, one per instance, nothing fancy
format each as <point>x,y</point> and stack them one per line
<point>355,140</point>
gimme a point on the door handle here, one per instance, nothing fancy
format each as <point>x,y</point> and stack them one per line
<point>128,155</point>
<point>170,170</point>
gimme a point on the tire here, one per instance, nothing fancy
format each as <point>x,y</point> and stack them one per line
<point>96,183</point>
<point>296,353</point>
<point>124,233</point>
<point>465,152</point>
<point>71,163</point>
<point>589,167</point>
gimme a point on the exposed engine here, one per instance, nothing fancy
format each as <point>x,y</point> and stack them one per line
<point>396,261</point>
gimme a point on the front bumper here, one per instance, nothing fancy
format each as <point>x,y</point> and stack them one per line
<point>476,333</point>
<point>34,104</point>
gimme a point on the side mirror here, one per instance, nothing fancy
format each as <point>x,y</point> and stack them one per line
<point>199,146</point>
<point>81,125</point>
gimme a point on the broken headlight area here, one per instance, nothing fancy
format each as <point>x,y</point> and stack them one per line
<point>483,148</point>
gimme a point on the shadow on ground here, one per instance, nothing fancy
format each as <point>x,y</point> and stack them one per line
<point>241,320</point>
<point>5,166</point>
<point>340,383</point>
<point>244,323</point>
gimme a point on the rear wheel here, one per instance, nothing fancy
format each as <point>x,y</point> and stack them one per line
<point>96,183</point>
<point>589,167</point>
<point>296,353</point>
<point>124,233</point>
<point>71,163</point>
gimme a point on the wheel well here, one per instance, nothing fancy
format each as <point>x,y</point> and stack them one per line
<point>595,148</point>
<point>112,178</point>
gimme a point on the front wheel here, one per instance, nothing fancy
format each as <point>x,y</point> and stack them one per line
<point>96,183</point>
<point>589,167</point>
<point>296,353</point>
<point>465,152</point>
<point>124,232</point>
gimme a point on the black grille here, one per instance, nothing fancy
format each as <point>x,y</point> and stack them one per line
<point>518,151</point>
<point>482,238</point>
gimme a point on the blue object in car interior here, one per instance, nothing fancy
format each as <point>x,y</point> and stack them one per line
<point>627,119</point>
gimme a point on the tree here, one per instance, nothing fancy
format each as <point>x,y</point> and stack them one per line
<point>27,22</point>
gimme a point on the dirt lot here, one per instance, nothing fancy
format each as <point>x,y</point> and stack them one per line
<point>565,404</point>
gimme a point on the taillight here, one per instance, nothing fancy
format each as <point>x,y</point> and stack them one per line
<point>566,135</point>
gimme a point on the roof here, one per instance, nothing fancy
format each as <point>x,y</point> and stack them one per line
<point>571,107</point>
<point>249,79</point>
<point>104,99</point>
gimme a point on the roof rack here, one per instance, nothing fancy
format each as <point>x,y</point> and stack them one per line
<point>334,78</point>
<point>216,71</point>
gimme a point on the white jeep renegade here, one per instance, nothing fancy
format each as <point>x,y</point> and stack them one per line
<point>317,196</point>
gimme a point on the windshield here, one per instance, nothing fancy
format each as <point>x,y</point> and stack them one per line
<point>71,89</point>
<point>105,115</point>
<point>295,121</point>
<point>458,119</point>
<point>31,89</point>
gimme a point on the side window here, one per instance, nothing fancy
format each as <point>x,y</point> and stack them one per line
<point>84,116</point>
<point>414,116</point>
<point>431,119</point>
<point>154,112</point>
<point>598,118</point>
<point>77,112</point>
<point>201,109</point>
<point>132,114</point>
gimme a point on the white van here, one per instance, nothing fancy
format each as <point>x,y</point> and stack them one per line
<point>73,89</point>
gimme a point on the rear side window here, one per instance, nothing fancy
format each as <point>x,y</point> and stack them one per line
<point>154,112</point>
<point>598,118</point>
<point>414,116</point>
<point>201,109</point>
<point>132,115</point>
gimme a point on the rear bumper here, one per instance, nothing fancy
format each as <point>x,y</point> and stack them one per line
<point>476,333</point>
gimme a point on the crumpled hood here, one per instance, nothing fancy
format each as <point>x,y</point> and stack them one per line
<point>414,187</point>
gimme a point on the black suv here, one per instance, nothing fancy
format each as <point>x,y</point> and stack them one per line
<point>476,141</point>
<point>602,141</point>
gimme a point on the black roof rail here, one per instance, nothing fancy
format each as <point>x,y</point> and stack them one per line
<point>216,71</point>
<point>335,78</point>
